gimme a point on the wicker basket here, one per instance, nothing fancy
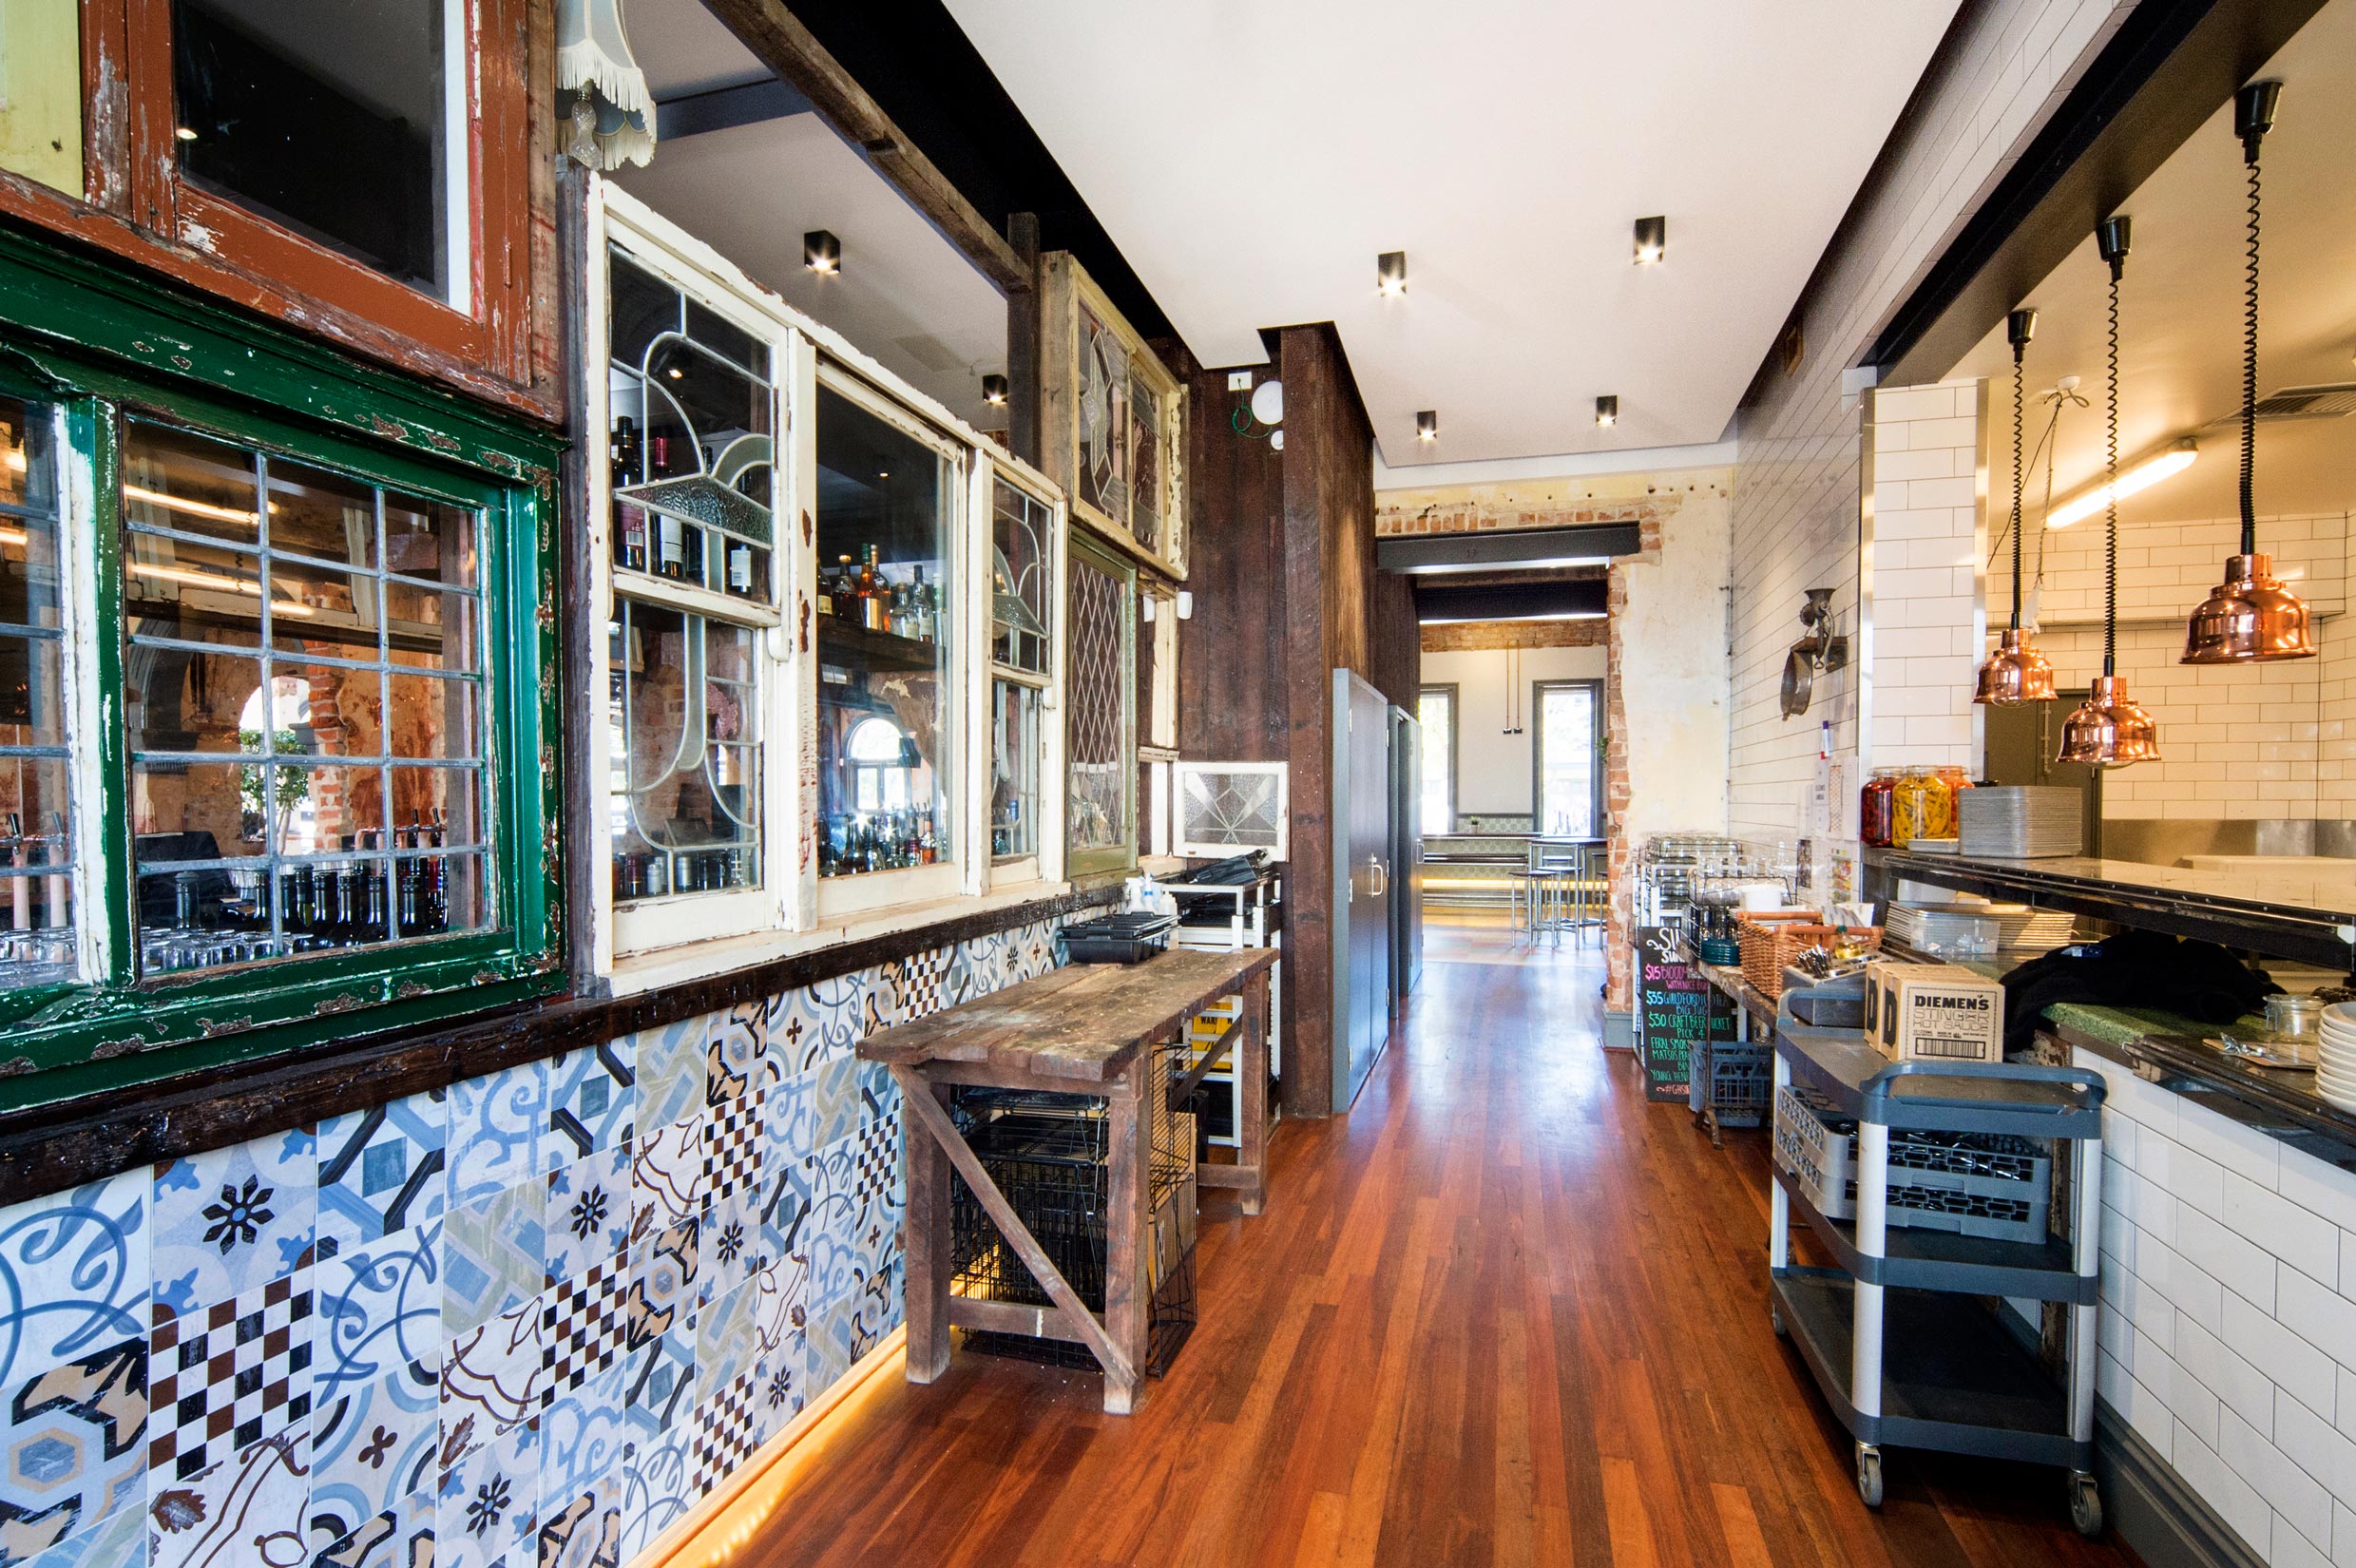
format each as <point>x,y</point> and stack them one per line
<point>1768,945</point>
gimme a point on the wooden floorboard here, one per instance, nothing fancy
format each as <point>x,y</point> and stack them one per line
<point>1505,1314</point>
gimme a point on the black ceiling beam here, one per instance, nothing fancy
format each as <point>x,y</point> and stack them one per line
<point>2169,68</point>
<point>725,109</point>
<point>1436,601</point>
<point>1435,554</point>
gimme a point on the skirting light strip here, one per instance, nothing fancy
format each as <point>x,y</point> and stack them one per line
<point>1479,619</point>
<point>717,1530</point>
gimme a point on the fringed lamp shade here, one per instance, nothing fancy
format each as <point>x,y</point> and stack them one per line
<point>601,94</point>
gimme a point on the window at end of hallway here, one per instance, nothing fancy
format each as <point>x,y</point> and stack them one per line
<point>1435,710</point>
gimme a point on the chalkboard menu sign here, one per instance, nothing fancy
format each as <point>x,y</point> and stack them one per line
<point>1677,1009</point>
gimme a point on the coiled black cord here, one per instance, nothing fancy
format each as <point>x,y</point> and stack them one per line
<point>2017,355</point>
<point>2110,508</point>
<point>2250,378</point>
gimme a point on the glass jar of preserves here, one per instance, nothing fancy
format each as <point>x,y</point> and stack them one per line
<point>1877,809</point>
<point>1926,804</point>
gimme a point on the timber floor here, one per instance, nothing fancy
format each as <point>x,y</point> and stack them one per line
<point>1506,1312</point>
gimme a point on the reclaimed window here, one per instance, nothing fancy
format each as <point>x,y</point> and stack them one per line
<point>305,703</point>
<point>39,908</point>
<point>1113,423</point>
<point>276,108</point>
<point>692,453</point>
<point>887,518</point>
<point>1099,734</point>
<point>270,701</point>
<point>1021,644</point>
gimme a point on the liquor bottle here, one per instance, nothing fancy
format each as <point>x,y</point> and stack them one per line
<point>927,605</point>
<point>372,911</point>
<point>869,591</point>
<point>739,568</point>
<point>626,454</point>
<point>437,883</point>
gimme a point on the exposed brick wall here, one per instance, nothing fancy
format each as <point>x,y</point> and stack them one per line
<point>1523,503</point>
<point>1476,636</point>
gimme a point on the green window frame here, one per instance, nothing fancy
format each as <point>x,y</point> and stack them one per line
<point>107,348</point>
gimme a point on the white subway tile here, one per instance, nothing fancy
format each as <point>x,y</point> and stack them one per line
<point>2245,1150</point>
<point>2286,1488</point>
<point>2194,1178</point>
<point>2304,1239</point>
<point>2236,1501</point>
<point>2283,1356</point>
<point>2190,1289</point>
<point>2186,1397</point>
<point>1895,404</point>
<point>2245,1268</point>
<point>2316,1446</point>
<point>2241,1386</point>
<point>2287,1548</point>
<point>2316,1314</point>
<point>2319,1186</point>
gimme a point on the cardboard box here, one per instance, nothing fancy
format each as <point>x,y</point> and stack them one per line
<point>1934,1012</point>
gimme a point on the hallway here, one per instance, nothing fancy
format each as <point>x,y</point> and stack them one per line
<point>1506,1312</point>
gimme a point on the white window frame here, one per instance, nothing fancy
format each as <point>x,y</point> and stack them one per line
<point>678,919</point>
<point>839,897</point>
<point>799,913</point>
<point>1047,866</point>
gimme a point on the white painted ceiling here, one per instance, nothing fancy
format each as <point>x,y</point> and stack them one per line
<point>906,294</point>
<point>2180,312</point>
<point>1252,160</point>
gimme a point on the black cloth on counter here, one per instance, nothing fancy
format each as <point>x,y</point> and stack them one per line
<point>2198,980</point>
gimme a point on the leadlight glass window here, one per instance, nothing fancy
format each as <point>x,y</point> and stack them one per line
<point>1100,720</point>
<point>887,623</point>
<point>692,453</point>
<point>38,906</point>
<point>1022,640</point>
<point>305,705</point>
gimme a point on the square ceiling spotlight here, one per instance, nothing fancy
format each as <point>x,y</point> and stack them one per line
<point>1427,425</point>
<point>1391,274</point>
<point>994,391</point>
<point>1607,409</point>
<point>822,253</point>
<point>1652,241</point>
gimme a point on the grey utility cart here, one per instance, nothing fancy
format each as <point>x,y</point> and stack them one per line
<point>1926,1225</point>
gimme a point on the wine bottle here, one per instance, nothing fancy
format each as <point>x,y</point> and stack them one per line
<point>739,568</point>
<point>874,609</point>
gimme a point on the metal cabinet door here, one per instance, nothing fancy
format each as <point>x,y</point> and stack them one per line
<point>1361,819</point>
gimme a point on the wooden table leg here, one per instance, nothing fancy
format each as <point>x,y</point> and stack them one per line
<point>928,1234</point>
<point>1250,1069</point>
<point>1128,1294</point>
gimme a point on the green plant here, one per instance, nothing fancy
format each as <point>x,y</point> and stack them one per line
<point>293,783</point>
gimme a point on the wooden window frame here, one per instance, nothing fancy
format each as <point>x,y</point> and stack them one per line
<point>135,204</point>
<point>1067,290</point>
<point>1116,858</point>
<point>78,337</point>
<point>1046,862</point>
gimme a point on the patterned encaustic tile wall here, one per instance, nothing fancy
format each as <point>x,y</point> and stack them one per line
<point>527,1322</point>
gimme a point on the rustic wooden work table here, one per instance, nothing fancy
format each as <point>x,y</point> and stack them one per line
<point>1087,1029</point>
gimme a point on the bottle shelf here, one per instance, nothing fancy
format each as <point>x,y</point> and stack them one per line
<point>877,650</point>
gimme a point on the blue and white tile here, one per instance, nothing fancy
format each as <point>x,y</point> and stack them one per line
<point>398,1537</point>
<point>813,1109</point>
<point>494,1377</point>
<point>247,1510</point>
<point>735,1052</point>
<point>593,1099</point>
<point>495,1256</point>
<point>582,1528</point>
<point>489,1511</point>
<point>833,1329</point>
<point>785,1199</point>
<point>229,1219</point>
<point>728,1338</point>
<point>74,1275</point>
<point>587,1217</point>
<point>667,1177</point>
<point>670,1062</point>
<point>658,1488</point>
<point>499,1133</point>
<point>831,1236</point>
<point>378,1372</point>
<point>826,1019</point>
<point>75,1448</point>
<point>118,1541</point>
<point>881,1304</point>
<point>661,1382</point>
<point>382,1171</point>
<point>663,1285</point>
<point>584,1433</point>
<point>735,1246</point>
<point>784,1390</point>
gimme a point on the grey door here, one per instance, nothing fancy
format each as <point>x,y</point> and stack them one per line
<point>1406,855</point>
<point>1361,883</point>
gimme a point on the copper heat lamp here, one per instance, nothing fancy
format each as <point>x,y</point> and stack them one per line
<point>2016,672</point>
<point>2110,729</point>
<point>2252,617</point>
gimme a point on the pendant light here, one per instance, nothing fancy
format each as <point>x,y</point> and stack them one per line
<point>2016,672</point>
<point>2252,617</point>
<point>2110,729</point>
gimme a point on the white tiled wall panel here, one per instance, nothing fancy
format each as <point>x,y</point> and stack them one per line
<point>2228,1322</point>
<point>2235,740</point>
<point>1928,554</point>
<point>2009,64</point>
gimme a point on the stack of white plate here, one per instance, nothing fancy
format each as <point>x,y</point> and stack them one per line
<point>2335,1056</point>
<point>2021,821</point>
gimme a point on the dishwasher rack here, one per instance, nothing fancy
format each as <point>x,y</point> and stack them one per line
<point>1900,1336</point>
